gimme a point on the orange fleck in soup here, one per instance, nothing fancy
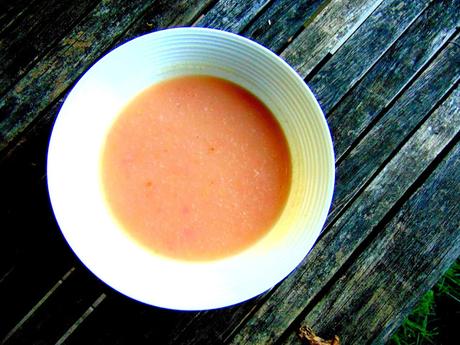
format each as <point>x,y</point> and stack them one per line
<point>196,168</point>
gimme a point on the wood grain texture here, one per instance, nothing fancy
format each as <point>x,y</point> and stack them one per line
<point>282,20</point>
<point>332,29</point>
<point>363,49</point>
<point>21,174</point>
<point>343,237</point>
<point>30,243</point>
<point>68,64</point>
<point>213,326</point>
<point>120,320</point>
<point>368,301</point>
<point>11,11</point>
<point>359,165</point>
<point>60,310</point>
<point>216,326</point>
<point>165,14</point>
<point>336,22</point>
<point>56,71</point>
<point>231,15</point>
<point>395,70</point>
<point>35,33</point>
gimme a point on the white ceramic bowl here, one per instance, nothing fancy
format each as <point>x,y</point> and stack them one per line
<point>74,163</point>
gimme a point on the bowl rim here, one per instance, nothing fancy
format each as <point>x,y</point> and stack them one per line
<point>224,300</point>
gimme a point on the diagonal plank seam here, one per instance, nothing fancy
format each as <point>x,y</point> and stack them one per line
<point>81,319</point>
<point>389,158</point>
<point>370,237</point>
<point>337,216</point>
<point>394,99</point>
<point>315,14</point>
<point>18,16</point>
<point>31,64</point>
<point>256,16</point>
<point>333,108</point>
<point>199,16</point>
<point>406,185</point>
<point>38,305</point>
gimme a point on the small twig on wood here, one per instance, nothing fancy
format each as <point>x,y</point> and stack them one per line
<point>306,333</point>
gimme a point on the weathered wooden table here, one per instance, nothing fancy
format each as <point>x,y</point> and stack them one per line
<point>387,76</point>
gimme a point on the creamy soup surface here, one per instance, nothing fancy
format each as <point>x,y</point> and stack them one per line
<point>196,168</point>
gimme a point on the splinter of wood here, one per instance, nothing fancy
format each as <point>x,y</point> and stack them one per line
<point>306,334</point>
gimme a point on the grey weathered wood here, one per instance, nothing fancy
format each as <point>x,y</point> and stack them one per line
<point>216,326</point>
<point>120,320</point>
<point>140,324</point>
<point>59,311</point>
<point>326,32</point>
<point>333,250</point>
<point>107,25</point>
<point>26,236</point>
<point>369,300</point>
<point>282,20</point>
<point>395,126</point>
<point>31,36</point>
<point>30,242</point>
<point>393,72</point>
<point>166,13</point>
<point>22,174</point>
<point>231,15</point>
<point>11,11</point>
<point>417,102</point>
<point>161,15</point>
<point>56,71</point>
<point>363,49</point>
<point>207,327</point>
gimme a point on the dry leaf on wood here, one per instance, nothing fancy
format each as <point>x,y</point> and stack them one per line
<point>307,334</point>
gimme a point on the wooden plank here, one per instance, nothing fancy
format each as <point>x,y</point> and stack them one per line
<point>231,15</point>
<point>333,250</point>
<point>22,175</point>
<point>216,326</point>
<point>28,166</point>
<point>11,11</point>
<point>282,20</point>
<point>120,320</point>
<point>369,300</point>
<point>210,326</point>
<point>57,70</point>
<point>418,100</point>
<point>81,319</point>
<point>9,330</point>
<point>363,49</point>
<point>394,71</point>
<point>433,84</point>
<point>67,64</point>
<point>59,311</point>
<point>29,244</point>
<point>33,35</point>
<point>336,22</point>
<point>362,162</point>
<point>232,317</point>
<point>28,283</point>
<point>166,13</point>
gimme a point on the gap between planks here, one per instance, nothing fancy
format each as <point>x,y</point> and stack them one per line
<point>376,59</point>
<point>38,305</point>
<point>394,99</point>
<point>406,186</point>
<point>363,135</point>
<point>386,219</point>
<point>82,318</point>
